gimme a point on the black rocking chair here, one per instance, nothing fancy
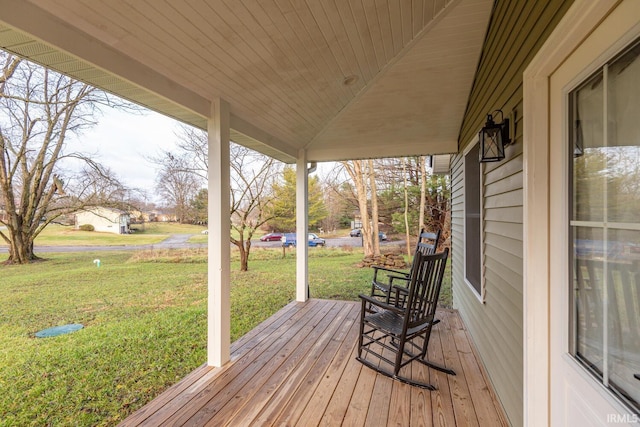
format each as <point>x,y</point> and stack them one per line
<point>384,278</point>
<point>401,327</point>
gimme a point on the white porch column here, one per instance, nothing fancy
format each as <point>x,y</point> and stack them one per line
<point>218,315</point>
<point>302,227</point>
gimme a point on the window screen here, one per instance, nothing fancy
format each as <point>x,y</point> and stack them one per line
<point>473,263</point>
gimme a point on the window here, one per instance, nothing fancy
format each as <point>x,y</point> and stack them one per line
<point>604,225</point>
<point>472,219</point>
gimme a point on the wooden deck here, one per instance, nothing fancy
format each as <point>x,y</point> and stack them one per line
<point>299,368</point>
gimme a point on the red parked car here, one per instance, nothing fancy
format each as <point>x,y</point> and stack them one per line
<point>271,237</point>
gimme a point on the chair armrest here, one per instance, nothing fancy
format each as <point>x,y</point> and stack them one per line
<point>400,294</point>
<point>388,284</point>
<point>401,289</point>
<point>389,270</point>
<point>377,303</point>
<point>405,279</point>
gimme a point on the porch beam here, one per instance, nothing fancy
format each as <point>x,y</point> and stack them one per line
<point>302,227</point>
<point>288,153</point>
<point>219,224</point>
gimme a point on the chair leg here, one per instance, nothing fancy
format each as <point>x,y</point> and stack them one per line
<point>423,358</point>
<point>399,354</point>
<point>400,378</point>
<point>437,367</point>
<point>362,314</point>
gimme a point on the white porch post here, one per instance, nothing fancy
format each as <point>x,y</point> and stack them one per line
<point>219,318</point>
<point>302,227</point>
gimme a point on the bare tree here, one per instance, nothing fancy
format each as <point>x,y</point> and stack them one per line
<point>357,171</point>
<point>252,176</point>
<point>177,185</point>
<point>193,145</point>
<point>339,198</point>
<point>40,109</point>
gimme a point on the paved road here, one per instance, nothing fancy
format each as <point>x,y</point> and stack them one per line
<point>180,241</point>
<point>331,243</point>
<point>174,241</point>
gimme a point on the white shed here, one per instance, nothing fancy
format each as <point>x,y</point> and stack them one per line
<point>105,219</point>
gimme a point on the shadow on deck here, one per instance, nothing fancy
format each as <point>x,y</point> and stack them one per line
<point>299,368</point>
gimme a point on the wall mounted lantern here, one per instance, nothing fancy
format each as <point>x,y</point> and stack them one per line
<point>493,138</point>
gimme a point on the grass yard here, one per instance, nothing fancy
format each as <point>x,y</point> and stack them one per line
<point>145,325</point>
<point>145,234</point>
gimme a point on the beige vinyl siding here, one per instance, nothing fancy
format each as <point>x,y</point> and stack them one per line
<point>517,30</point>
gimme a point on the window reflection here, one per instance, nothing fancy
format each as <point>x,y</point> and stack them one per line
<point>605,224</point>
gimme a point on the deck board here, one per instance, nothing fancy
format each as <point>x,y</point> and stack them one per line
<point>299,368</point>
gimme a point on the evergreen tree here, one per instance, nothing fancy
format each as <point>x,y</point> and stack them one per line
<point>282,210</point>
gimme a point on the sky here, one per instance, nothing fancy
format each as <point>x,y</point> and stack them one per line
<point>121,140</point>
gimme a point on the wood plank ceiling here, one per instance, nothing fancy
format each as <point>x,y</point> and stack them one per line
<point>343,79</point>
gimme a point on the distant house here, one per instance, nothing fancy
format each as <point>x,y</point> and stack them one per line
<point>104,219</point>
<point>139,216</point>
<point>165,217</point>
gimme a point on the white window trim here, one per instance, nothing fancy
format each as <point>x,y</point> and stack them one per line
<point>480,296</point>
<point>605,56</point>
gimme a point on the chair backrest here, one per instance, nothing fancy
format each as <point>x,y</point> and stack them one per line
<point>427,273</point>
<point>427,242</point>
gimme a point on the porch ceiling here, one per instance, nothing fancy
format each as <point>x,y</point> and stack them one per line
<point>356,79</point>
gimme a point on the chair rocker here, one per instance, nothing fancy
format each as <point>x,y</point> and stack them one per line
<point>396,333</point>
<point>384,278</point>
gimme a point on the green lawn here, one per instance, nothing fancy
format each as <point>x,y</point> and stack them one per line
<point>144,234</point>
<point>145,325</point>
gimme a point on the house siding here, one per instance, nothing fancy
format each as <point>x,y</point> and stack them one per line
<point>516,31</point>
<point>104,220</point>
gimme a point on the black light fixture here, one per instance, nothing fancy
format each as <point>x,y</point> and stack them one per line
<point>493,138</point>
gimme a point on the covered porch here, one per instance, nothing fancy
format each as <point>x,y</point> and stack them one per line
<point>302,83</point>
<point>298,368</point>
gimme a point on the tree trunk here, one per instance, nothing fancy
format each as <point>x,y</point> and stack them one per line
<point>406,207</point>
<point>356,171</point>
<point>423,191</point>
<point>21,253</point>
<point>374,210</point>
<point>244,247</point>
<point>244,260</point>
<point>244,255</point>
<point>21,249</point>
